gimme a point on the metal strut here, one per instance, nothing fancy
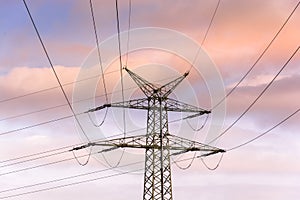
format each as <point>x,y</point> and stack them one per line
<point>158,143</point>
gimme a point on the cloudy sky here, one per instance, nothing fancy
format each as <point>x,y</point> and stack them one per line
<point>268,168</point>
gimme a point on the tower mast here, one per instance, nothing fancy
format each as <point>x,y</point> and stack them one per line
<point>158,143</point>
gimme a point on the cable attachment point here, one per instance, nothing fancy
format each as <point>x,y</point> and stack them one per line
<point>83,146</point>
<point>98,108</point>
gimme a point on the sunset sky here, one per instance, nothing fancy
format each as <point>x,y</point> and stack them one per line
<point>268,168</point>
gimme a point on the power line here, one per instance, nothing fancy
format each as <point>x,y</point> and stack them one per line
<point>61,105</point>
<point>47,89</point>
<point>52,67</point>
<point>39,124</point>
<point>32,112</point>
<point>196,56</point>
<point>49,155</point>
<point>65,147</point>
<point>57,119</point>
<point>50,151</point>
<point>120,62</point>
<point>71,184</point>
<point>121,74</point>
<point>96,76</point>
<point>188,165</point>
<point>198,51</point>
<point>46,164</point>
<point>117,70</point>
<point>79,182</point>
<point>201,127</point>
<point>56,87</point>
<point>258,59</point>
<point>40,153</point>
<point>257,98</point>
<point>210,23</point>
<point>67,178</point>
<point>57,106</point>
<point>36,158</point>
<point>41,165</point>
<point>264,133</point>
<point>206,33</point>
<point>92,77</point>
<point>75,183</point>
<point>128,31</point>
<point>212,168</point>
<point>100,63</point>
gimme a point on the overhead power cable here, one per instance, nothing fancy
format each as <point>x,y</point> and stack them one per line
<point>120,62</point>
<point>260,56</point>
<point>212,168</point>
<point>32,112</point>
<point>201,127</point>
<point>75,183</point>
<point>241,145</point>
<point>12,98</point>
<point>56,87</point>
<point>195,58</point>
<point>257,98</point>
<point>57,119</point>
<point>70,184</point>
<point>264,133</point>
<point>62,105</point>
<point>41,165</point>
<point>45,154</point>
<point>62,148</point>
<point>236,147</point>
<point>48,155</point>
<point>192,65</point>
<point>35,158</point>
<point>53,69</point>
<point>128,32</point>
<point>210,23</point>
<point>36,154</point>
<point>206,33</point>
<point>188,165</point>
<point>39,124</point>
<point>121,74</point>
<point>67,178</point>
<point>101,66</point>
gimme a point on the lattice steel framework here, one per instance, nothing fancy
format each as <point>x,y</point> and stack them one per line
<point>158,143</point>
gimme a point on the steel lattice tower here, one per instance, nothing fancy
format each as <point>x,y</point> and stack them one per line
<point>158,143</point>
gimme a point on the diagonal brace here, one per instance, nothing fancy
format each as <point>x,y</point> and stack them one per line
<point>143,84</point>
<point>177,106</point>
<point>168,88</point>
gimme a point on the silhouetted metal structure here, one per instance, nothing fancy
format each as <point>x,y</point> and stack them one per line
<point>158,143</point>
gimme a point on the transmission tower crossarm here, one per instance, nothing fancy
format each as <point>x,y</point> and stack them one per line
<point>192,116</point>
<point>128,142</point>
<point>98,108</point>
<point>177,106</point>
<point>186,145</point>
<point>133,141</point>
<point>177,144</point>
<point>133,104</point>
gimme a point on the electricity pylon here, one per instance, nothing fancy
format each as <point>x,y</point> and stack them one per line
<point>158,142</point>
